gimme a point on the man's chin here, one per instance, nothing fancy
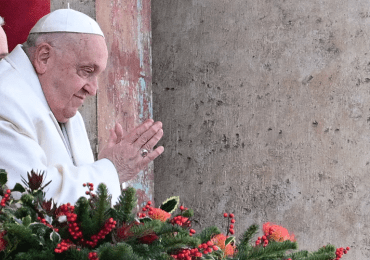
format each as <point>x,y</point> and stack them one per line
<point>66,116</point>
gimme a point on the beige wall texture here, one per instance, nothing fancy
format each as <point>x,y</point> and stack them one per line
<point>266,113</point>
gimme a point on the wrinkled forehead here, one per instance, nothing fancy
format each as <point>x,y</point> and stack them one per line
<point>89,49</point>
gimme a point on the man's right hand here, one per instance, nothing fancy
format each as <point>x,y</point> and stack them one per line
<point>124,150</point>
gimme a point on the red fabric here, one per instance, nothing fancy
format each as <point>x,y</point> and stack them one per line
<point>20,16</point>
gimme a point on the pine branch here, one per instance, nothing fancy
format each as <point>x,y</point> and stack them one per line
<point>122,251</point>
<point>274,250</point>
<point>167,228</point>
<point>74,254</point>
<point>252,230</point>
<point>152,251</point>
<point>146,228</point>
<point>102,205</point>
<point>207,233</point>
<point>127,202</point>
<point>172,243</point>
<point>324,253</point>
<point>83,209</point>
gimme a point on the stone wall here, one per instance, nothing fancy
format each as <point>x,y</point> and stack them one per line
<point>266,113</point>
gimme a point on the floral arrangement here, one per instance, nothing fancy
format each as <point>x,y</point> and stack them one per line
<point>32,227</point>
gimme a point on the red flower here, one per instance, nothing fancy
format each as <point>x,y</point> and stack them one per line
<point>219,240</point>
<point>35,181</point>
<point>156,213</point>
<point>277,233</point>
<point>124,232</point>
<point>148,239</point>
<point>3,242</point>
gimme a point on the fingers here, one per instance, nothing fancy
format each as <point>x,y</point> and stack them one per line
<point>138,131</point>
<point>153,140</point>
<point>151,156</point>
<point>119,132</point>
<point>150,138</point>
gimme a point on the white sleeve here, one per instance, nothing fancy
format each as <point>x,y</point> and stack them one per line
<point>19,154</point>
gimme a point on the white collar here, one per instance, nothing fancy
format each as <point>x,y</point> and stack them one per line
<point>19,60</point>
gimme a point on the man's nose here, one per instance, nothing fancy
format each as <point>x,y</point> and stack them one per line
<point>91,86</point>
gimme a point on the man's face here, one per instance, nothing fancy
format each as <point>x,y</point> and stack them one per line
<point>3,44</point>
<point>72,74</point>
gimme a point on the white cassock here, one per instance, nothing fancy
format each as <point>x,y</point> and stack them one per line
<point>31,138</point>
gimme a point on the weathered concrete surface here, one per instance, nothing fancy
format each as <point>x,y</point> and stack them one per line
<point>88,109</point>
<point>266,112</point>
<point>125,89</point>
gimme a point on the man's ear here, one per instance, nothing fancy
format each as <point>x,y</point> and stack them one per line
<point>42,57</point>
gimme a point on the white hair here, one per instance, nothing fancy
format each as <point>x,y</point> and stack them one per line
<point>1,21</point>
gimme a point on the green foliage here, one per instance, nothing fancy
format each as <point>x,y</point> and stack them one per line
<point>123,210</point>
<point>208,233</point>
<point>275,250</point>
<point>74,254</point>
<point>29,239</point>
<point>102,205</point>
<point>248,235</point>
<point>3,177</point>
<point>146,228</point>
<point>327,252</point>
<point>230,240</point>
<point>121,251</point>
<point>27,199</point>
<point>244,246</point>
<point>35,254</point>
<point>83,211</point>
<point>19,188</point>
<point>171,204</point>
<point>188,213</point>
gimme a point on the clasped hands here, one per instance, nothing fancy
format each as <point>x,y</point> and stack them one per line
<point>124,149</point>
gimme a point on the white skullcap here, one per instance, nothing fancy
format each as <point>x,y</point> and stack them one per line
<point>67,20</point>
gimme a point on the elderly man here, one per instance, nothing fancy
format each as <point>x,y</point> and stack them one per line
<point>42,84</point>
<point>3,40</point>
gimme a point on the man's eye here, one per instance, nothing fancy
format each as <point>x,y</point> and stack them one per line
<point>87,72</point>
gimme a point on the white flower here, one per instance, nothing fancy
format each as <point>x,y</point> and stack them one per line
<point>62,219</point>
<point>16,195</point>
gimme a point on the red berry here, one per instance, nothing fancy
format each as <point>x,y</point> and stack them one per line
<point>84,184</point>
<point>231,231</point>
<point>347,248</point>
<point>8,191</point>
<point>231,215</point>
<point>87,192</point>
<point>226,215</point>
<point>231,226</point>
<point>232,221</point>
<point>182,207</point>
